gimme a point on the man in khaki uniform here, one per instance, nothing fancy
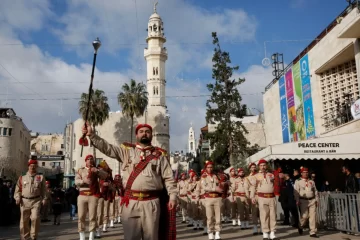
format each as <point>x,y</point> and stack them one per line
<point>143,185</point>
<point>266,198</point>
<point>30,194</point>
<point>306,197</point>
<point>213,201</point>
<point>226,204</point>
<point>46,208</point>
<point>254,207</point>
<point>195,202</point>
<point>87,179</point>
<point>182,188</point>
<point>200,191</point>
<point>188,194</point>
<point>241,196</point>
<point>232,200</point>
<point>116,209</point>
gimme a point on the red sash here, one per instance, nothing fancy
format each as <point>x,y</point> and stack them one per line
<point>135,173</point>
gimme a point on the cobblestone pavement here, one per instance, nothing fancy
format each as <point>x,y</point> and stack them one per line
<point>68,231</point>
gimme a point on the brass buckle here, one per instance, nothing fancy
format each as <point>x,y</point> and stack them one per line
<point>140,196</point>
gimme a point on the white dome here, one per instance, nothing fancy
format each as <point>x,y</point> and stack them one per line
<point>155,16</point>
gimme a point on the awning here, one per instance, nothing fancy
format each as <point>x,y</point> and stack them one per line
<point>339,147</point>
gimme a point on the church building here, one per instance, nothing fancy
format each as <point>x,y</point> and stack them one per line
<point>117,128</point>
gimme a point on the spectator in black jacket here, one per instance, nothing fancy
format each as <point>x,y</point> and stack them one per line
<point>71,195</point>
<point>57,210</point>
<point>351,183</point>
<point>291,203</point>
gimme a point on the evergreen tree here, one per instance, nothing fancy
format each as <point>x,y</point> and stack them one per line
<point>224,108</point>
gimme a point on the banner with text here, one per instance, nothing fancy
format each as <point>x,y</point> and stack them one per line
<point>307,99</point>
<point>299,106</point>
<point>283,110</point>
<point>290,105</point>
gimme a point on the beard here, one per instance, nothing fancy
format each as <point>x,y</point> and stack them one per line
<point>145,140</point>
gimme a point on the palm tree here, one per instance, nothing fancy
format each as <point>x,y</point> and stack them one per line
<point>133,100</point>
<point>98,109</point>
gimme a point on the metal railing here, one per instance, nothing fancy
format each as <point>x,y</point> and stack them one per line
<point>339,211</point>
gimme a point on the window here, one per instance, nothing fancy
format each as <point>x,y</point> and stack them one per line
<point>43,164</point>
<point>0,131</point>
<point>191,146</point>
<point>10,131</point>
<point>4,131</point>
<point>153,71</point>
<point>154,90</point>
<point>62,146</point>
<point>33,147</point>
<point>157,91</point>
<point>157,71</point>
<point>44,147</point>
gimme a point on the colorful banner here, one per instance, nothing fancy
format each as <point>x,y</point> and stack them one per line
<point>307,99</point>
<point>291,105</point>
<point>283,110</point>
<point>299,126</point>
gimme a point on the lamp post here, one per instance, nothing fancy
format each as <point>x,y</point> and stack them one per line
<point>96,44</point>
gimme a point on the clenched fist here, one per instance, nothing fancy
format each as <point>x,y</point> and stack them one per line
<point>87,130</point>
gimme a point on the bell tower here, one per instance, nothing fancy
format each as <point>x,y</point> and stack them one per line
<point>191,141</point>
<point>156,55</point>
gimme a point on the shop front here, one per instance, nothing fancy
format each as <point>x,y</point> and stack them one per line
<point>328,155</point>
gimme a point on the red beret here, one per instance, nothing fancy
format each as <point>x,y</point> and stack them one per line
<point>304,170</point>
<point>240,169</point>
<point>252,164</point>
<point>262,161</point>
<point>89,156</point>
<point>47,182</point>
<point>231,169</point>
<point>141,126</point>
<point>117,175</point>
<point>183,174</point>
<point>32,161</point>
<point>208,163</point>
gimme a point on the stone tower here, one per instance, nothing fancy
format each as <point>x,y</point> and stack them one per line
<point>156,55</point>
<point>192,143</point>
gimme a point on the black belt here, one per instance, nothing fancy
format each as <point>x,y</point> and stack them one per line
<point>304,198</point>
<point>30,197</point>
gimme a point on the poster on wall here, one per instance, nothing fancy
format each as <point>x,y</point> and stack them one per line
<point>299,105</point>
<point>283,110</point>
<point>307,99</point>
<point>290,105</point>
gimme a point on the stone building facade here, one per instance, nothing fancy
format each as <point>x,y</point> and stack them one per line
<point>14,144</point>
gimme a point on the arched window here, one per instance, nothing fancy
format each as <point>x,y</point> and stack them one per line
<point>157,71</point>
<point>150,28</point>
<point>153,70</point>
<point>154,27</point>
<point>154,89</point>
<point>157,91</point>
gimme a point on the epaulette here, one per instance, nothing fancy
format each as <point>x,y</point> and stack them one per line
<point>127,145</point>
<point>163,151</point>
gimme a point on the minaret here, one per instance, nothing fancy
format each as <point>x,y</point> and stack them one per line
<point>156,55</point>
<point>192,143</point>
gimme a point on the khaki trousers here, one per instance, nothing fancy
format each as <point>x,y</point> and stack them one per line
<point>195,210</point>
<point>100,213</point>
<point>255,212</point>
<point>106,212</point>
<point>114,209</point>
<point>183,206</point>
<point>213,214</point>
<point>189,208</point>
<point>87,204</point>
<point>141,220</point>
<point>45,211</point>
<point>242,206</point>
<point>226,207</point>
<point>233,208</point>
<point>30,210</point>
<point>308,211</point>
<point>267,208</point>
<point>203,211</point>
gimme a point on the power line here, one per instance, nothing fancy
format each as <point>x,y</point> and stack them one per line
<point>14,78</point>
<point>110,98</point>
<point>169,96</point>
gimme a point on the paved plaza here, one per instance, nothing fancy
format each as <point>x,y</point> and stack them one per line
<point>68,231</point>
